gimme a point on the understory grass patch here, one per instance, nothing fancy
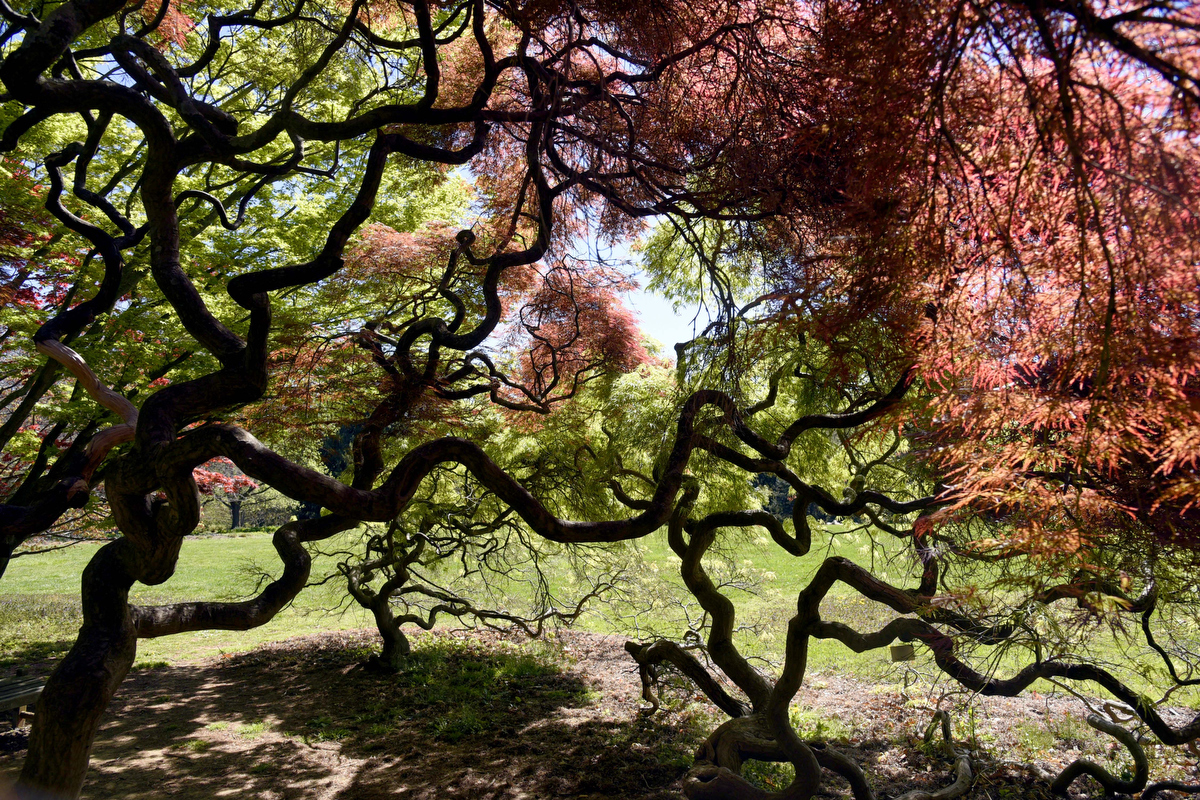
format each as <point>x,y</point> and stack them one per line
<point>40,611</point>
<point>462,690</point>
<point>36,627</point>
<point>774,776</point>
<point>40,608</point>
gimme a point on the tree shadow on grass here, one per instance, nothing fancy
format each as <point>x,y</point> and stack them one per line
<point>32,659</point>
<point>472,716</point>
<point>36,631</point>
<point>301,719</point>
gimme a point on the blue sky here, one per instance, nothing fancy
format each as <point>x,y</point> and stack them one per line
<point>655,314</point>
<point>659,321</point>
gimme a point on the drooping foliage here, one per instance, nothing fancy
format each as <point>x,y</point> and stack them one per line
<point>948,250</point>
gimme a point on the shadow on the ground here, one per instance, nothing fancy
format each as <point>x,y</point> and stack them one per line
<point>37,659</point>
<point>468,717</point>
<point>304,720</point>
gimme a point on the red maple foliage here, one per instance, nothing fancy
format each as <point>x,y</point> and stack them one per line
<point>223,478</point>
<point>1006,194</point>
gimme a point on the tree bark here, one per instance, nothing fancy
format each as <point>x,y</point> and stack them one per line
<point>395,648</point>
<point>69,712</point>
<point>395,643</point>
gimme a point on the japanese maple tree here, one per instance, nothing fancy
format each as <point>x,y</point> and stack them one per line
<point>949,249</point>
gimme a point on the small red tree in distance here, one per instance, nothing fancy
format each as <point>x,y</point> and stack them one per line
<point>221,480</point>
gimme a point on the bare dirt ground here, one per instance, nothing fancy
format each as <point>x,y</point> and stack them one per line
<point>301,720</point>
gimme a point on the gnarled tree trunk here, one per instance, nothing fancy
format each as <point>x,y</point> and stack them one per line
<point>69,712</point>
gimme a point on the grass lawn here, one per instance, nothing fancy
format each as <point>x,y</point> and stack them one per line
<point>267,705</point>
<point>40,610</point>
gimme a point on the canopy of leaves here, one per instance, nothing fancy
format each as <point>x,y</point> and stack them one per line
<point>949,250</point>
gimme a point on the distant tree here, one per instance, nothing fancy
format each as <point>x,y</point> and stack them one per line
<point>220,480</point>
<point>486,573</point>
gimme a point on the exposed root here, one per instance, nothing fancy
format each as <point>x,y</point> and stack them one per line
<point>1111,784</point>
<point>840,763</point>
<point>963,774</point>
<point>1155,789</point>
<point>710,782</point>
<point>716,775</point>
<point>719,763</point>
<point>378,665</point>
<point>649,656</point>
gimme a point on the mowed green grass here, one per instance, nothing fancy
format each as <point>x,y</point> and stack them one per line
<point>40,608</point>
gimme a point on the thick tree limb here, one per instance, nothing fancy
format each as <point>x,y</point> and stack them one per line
<point>650,654</point>
<point>1111,784</point>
